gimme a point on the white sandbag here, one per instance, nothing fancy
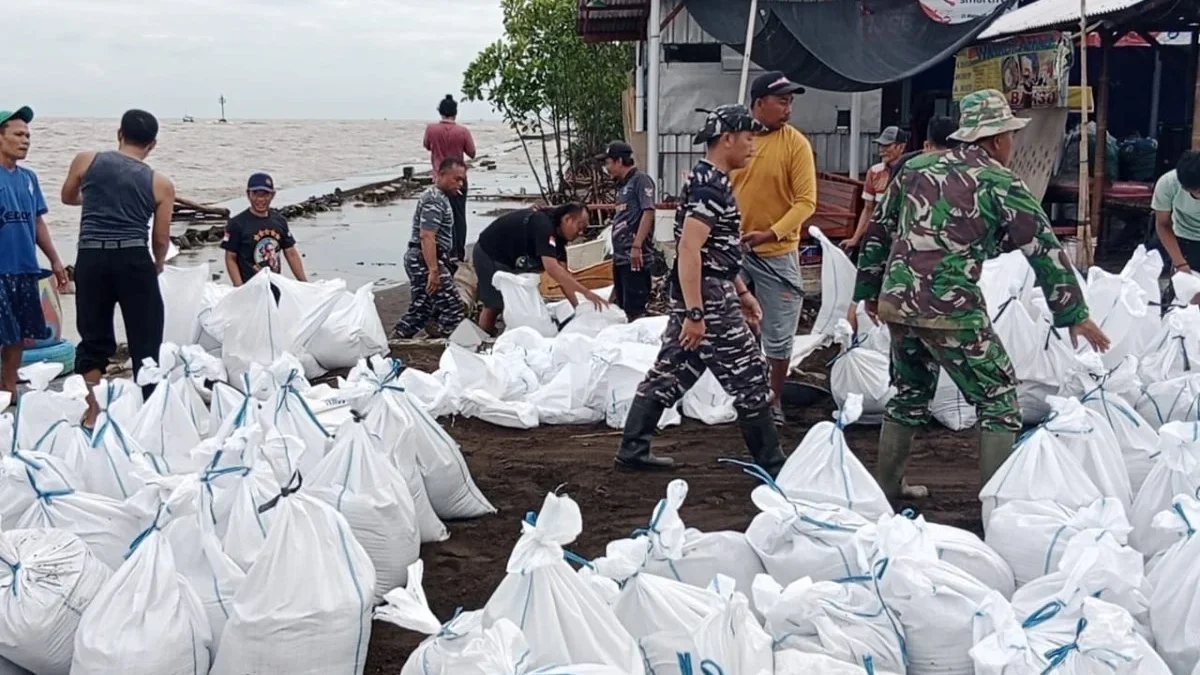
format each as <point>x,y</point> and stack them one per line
<point>428,391</point>
<point>563,617</point>
<point>106,525</point>
<point>843,621</point>
<point>1172,351</point>
<point>824,470</point>
<point>589,321</point>
<point>523,303</point>
<point>174,419</point>
<point>647,330</point>
<point>792,662</point>
<point>617,370</point>
<point>385,403</point>
<point>47,579</point>
<point>1105,391</point>
<point>563,399</point>
<point>146,619</point>
<point>1087,435</point>
<point>462,371</point>
<point>1033,535</point>
<point>1121,308</point>
<point>448,482</point>
<point>1176,471</point>
<point>254,328</point>
<point>950,407</point>
<point>972,555</point>
<point>837,283</point>
<point>1176,400</point>
<point>1040,468</point>
<point>1144,268</point>
<point>732,636</point>
<point>1094,565</point>
<point>518,380</point>
<point>200,559</point>
<point>934,600</point>
<point>530,347</point>
<point>1175,530</point>
<point>43,415</point>
<point>183,290</point>
<point>1175,604</point>
<point>798,539</point>
<point>212,327</point>
<point>869,332</point>
<point>1008,275</point>
<point>1038,353</point>
<point>248,528</point>
<point>305,606</point>
<point>352,331</point>
<point>357,479</point>
<point>708,402</point>
<point>117,466</point>
<point>859,370</point>
<point>241,406</point>
<point>509,414</point>
<point>291,414</point>
<point>26,475</point>
<point>1186,286</point>
<point>124,398</point>
<point>461,645</point>
<point>694,557</point>
<point>646,603</point>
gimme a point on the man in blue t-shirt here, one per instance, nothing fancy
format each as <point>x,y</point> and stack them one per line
<point>22,232</point>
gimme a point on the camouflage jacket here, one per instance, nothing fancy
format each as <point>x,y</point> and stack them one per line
<point>708,197</point>
<point>936,225</point>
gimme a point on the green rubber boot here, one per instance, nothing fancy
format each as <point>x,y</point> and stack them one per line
<point>895,443</point>
<point>994,450</point>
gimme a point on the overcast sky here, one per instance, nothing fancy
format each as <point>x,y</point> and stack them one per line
<point>309,59</point>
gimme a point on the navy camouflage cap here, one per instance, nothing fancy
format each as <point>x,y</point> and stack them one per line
<point>726,119</point>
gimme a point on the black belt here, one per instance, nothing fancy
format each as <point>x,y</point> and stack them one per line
<point>440,252</point>
<point>112,245</point>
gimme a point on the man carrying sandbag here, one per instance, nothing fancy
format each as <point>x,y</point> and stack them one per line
<point>713,314</point>
<point>427,262</point>
<point>919,269</point>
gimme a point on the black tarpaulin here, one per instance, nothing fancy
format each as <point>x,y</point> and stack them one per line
<point>839,45</point>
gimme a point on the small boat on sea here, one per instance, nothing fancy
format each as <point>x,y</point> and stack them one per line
<point>189,118</point>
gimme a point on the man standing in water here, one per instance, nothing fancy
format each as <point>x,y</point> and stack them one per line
<point>120,255</point>
<point>777,193</point>
<point>427,262</point>
<point>448,138</point>
<point>713,314</point>
<point>22,232</point>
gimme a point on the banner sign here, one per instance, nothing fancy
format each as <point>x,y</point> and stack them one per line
<point>1030,70</point>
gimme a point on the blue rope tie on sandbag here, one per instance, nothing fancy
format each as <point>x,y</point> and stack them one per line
<point>141,537</point>
<point>1059,655</point>
<point>14,567</point>
<point>707,666</point>
<point>869,664</point>
<point>1043,614</point>
<point>652,530</point>
<point>1179,510</point>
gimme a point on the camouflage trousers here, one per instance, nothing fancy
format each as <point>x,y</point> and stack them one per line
<point>444,305</point>
<point>729,350</point>
<point>973,358</point>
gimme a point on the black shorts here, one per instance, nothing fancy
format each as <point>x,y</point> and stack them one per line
<point>631,290</point>
<point>485,268</point>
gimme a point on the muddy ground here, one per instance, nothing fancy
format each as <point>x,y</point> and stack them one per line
<point>515,469</point>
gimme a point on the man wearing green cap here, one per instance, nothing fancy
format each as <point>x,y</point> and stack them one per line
<point>943,216</point>
<point>22,232</point>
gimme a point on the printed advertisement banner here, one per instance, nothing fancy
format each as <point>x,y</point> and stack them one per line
<point>1031,70</point>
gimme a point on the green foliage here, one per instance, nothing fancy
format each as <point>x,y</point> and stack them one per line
<point>549,84</point>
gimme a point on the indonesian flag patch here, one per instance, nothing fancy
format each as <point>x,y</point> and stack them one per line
<point>552,241</point>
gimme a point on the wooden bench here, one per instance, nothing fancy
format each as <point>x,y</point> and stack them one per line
<point>839,203</point>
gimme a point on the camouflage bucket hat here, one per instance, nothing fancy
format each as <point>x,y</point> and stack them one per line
<point>726,119</point>
<point>984,114</point>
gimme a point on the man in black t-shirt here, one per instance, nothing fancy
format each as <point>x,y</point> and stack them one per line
<point>258,238</point>
<point>528,241</point>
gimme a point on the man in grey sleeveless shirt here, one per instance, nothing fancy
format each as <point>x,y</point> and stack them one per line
<point>120,252</point>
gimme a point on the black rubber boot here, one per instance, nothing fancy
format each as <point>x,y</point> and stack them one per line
<point>762,439</point>
<point>635,442</point>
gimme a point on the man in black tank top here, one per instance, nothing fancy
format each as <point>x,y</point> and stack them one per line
<point>120,251</point>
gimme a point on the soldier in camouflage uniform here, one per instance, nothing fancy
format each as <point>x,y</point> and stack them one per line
<point>712,312</point>
<point>434,296</point>
<point>919,271</point>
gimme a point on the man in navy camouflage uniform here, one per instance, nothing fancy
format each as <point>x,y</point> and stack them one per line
<point>434,296</point>
<point>712,313</point>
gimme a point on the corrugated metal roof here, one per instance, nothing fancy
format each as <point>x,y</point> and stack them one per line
<point>1050,13</point>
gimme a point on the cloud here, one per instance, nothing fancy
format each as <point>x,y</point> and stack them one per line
<point>271,58</point>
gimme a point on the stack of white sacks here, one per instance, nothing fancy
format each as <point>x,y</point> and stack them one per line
<point>233,528</point>
<point>827,579</point>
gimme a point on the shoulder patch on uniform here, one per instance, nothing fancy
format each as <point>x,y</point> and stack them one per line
<point>553,241</point>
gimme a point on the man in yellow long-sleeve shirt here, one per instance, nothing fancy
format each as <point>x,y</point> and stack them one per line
<point>777,193</point>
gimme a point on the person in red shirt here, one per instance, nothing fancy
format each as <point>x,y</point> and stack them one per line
<point>448,138</point>
<point>892,142</point>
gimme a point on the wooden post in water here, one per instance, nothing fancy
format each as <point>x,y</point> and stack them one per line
<point>1083,230</point>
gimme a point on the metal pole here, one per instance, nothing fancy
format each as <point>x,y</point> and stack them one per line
<point>1196,91</point>
<point>654,46</point>
<point>1155,93</point>
<point>1083,229</point>
<point>639,88</point>
<point>750,23</point>
<point>855,133</point>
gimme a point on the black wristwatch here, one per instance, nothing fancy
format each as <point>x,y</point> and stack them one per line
<point>694,314</point>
